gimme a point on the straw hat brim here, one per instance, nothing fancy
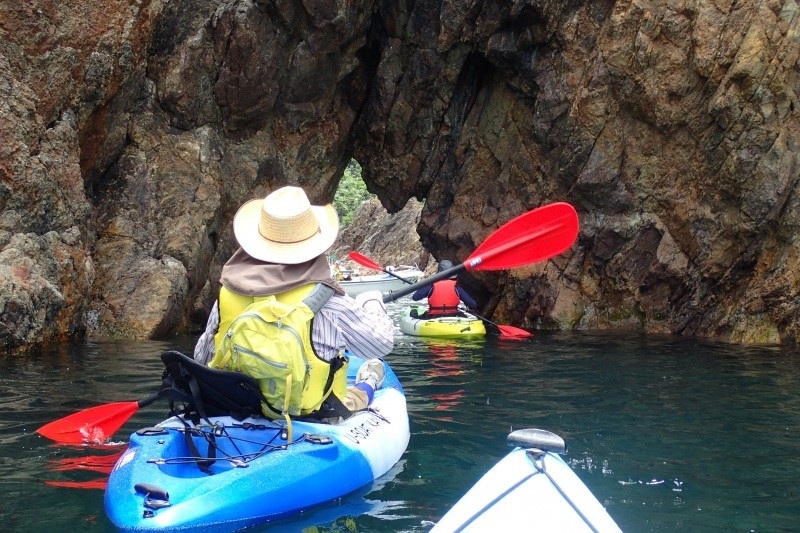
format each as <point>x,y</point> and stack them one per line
<point>245,228</point>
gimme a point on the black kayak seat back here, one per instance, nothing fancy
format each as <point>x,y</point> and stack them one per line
<point>209,391</point>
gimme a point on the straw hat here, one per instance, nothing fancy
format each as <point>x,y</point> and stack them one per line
<point>285,228</point>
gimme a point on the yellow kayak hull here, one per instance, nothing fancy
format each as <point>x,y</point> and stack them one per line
<point>442,327</point>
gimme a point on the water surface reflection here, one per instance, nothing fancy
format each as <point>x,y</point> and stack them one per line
<point>670,434</point>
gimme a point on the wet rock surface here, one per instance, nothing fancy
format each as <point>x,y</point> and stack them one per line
<point>130,132</point>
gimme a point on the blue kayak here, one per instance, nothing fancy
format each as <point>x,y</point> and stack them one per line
<point>530,489</point>
<point>221,473</point>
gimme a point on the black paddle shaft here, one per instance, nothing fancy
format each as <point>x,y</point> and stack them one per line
<point>144,402</point>
<point>450,272</point>
<point>401,278</point>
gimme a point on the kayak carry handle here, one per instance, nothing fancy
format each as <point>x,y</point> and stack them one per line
<point>537,438</point>
<point>154,496</point>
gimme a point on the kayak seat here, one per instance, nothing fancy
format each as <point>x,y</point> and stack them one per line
<point>207,391</point>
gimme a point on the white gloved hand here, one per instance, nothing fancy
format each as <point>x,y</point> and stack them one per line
<point>371,301</point>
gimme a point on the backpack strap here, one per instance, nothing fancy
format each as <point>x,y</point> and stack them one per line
<point>333,405</point>
<point>319,296</point>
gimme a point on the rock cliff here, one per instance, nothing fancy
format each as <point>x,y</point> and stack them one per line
<point>386,238</point>
<point>131,130</point>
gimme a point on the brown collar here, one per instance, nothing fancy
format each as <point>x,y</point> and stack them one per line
<point>248,276</point>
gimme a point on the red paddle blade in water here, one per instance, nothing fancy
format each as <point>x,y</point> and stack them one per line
<point>531,237</point>
<point>102,464</point>
<point>94,425</point>
<point>97,484</point>
<point>513,333</point>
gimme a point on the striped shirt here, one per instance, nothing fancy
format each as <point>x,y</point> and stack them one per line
<point>340,324</point>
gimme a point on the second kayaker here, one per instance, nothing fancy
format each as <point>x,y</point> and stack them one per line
<point>444,296</point>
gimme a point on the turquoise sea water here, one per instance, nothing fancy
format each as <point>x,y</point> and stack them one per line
<point>670,434</point>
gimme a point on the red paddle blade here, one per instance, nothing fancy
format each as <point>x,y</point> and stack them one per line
<point>97,484</point>
<point>102,464</point>
<point>531,237</point>
<point>95,424</point>
<point>364,261</point>
<point>512,333</point>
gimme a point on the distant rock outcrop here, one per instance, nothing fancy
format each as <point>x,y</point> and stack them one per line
<point>387,239</point>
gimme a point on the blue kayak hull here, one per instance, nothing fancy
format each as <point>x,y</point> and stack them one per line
<point>168,480</point>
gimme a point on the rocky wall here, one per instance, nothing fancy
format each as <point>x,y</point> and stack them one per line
<point>130,131</point>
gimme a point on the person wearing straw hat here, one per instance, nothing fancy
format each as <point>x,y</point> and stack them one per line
<point>339,272</point>
<point>283,241</point>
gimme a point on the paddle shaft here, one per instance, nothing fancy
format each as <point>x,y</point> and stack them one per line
<point>363,260</point>
<point>472,262</point>
<point>471,312</point>
<point>395,275</point>
<point>497,326</point>
<point>413,287</point>
<point>144,402</point>
<point>485,319</point>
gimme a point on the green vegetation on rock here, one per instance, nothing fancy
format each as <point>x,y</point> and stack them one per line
<point>351,193</point>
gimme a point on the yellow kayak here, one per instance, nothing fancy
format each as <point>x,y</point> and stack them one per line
<point>466,325</point>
